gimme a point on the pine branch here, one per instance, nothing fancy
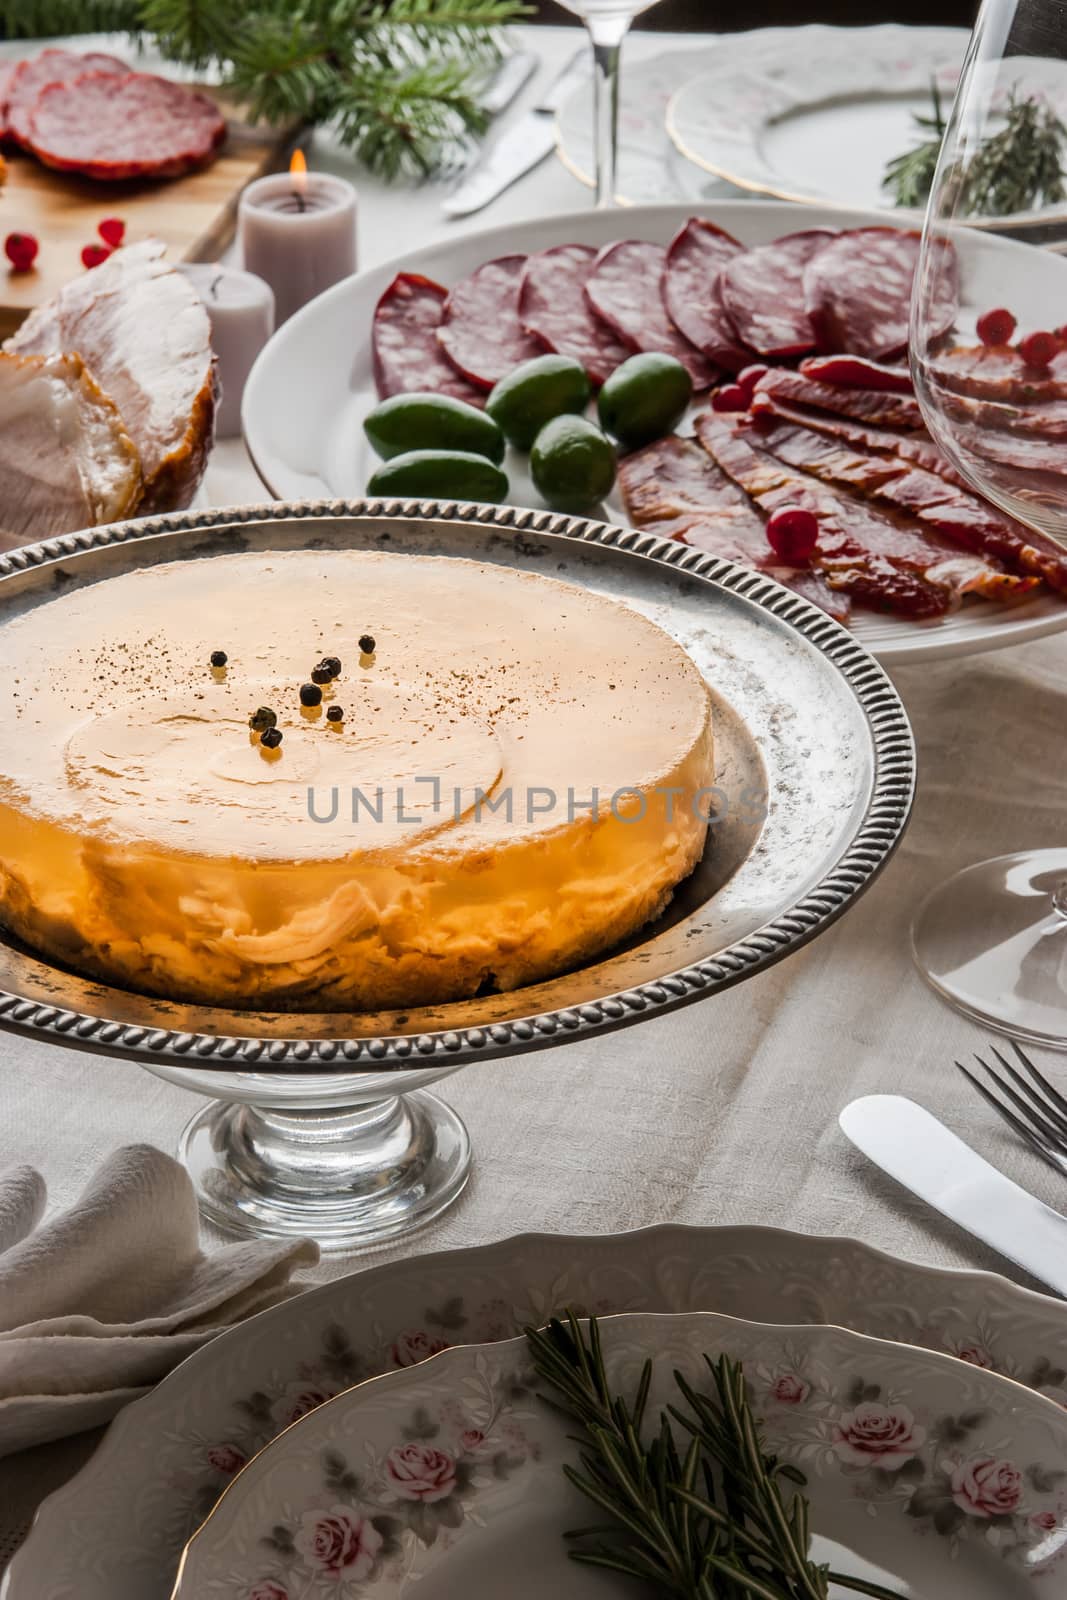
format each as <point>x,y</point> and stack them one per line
<point>397,122</point>
<point>45,19</point>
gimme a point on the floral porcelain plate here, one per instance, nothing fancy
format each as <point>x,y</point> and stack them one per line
<point>818,113</point>
<point>939,1478</point>
<point>115,1532</point>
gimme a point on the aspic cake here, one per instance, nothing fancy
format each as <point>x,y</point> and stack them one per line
<point>340,780</point>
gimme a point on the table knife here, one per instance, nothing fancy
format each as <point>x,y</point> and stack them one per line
<point>922,1154</point>
<point>519,148</point>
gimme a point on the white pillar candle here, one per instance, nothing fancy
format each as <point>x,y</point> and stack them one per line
<point>298,231</point>
<point>240,307</point>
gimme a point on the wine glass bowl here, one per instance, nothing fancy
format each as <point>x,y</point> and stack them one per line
<point>989,363</point>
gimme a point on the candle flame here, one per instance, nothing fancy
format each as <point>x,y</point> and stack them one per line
<point>298,172</point>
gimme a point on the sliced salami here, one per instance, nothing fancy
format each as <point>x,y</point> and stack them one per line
<point>480,331</point>
<point>624,290</point>
<point>407,354</point>
<point>112,128</point>
<point>695,259</point>
<point>858,291</point>
<point>50,66</point>
<point>858,372</point>
<point>763,293</point>
<point>554,311</point>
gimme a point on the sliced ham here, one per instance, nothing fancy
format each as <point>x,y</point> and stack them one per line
<point>48,67</point>
<point>66,461</point>
<point>955,519</point>
<point>142,332</point>
<point>673,488</point>
<point>115,127</point>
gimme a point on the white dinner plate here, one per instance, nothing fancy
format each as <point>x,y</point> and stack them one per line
<point>448,1480</point>
<point>817,115</point>
<point>116,1530</point>
<point>313,384</point>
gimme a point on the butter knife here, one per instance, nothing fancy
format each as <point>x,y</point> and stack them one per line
<point>922,1154</point>
<point>519,148</point>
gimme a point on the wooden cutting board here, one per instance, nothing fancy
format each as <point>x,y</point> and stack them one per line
<point>195,215</point>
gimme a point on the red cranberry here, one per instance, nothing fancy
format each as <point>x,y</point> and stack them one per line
<point>21,250</point>
<point>94,255</point>
<point>793,534</point>
<point>112,230</point>
<point>731,397</point>
<point>1037,349</point>
<point>748,378</point>
<point>996,327</point>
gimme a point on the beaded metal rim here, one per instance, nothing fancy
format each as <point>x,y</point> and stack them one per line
<point>873,842</point>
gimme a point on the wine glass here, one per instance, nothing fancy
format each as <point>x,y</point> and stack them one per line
<point>608,22</point>
<point>989,360</point>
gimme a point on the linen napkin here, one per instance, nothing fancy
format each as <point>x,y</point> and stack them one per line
<point>100,1302</point>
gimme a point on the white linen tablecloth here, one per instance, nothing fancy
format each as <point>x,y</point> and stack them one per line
<point>725,1111</point>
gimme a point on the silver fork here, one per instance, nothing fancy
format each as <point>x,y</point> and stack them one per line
<point>1040,1111</point>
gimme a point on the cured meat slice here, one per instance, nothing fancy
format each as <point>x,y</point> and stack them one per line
<point>1048,420</point>
<point>113,127</point>
<point>957,519</point>
<point>554,311</point>
<point>480,330</point>
<point>858,291</point>
<point>673,488</point>
<point>866,405</point>
<point>406,351</point>
<point>874,559</point>
<point>66,461</point>
<point>695,259</point>
<point>998,372</point>
<point>857,372</point>
<point>7,72</point>
<point>763,293</point>
<point>48,67</point>
<point>141,330</point>
<point>917,447</point>
<point>624,290</point>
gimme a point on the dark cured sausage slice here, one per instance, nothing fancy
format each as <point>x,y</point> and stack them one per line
<point>858,291</point>
<point>554,311</point>
<point>624,290</point>
<point>860,550</point>
<point>866,405</point>
<point>954,520</point>
<point>695,259</point>
<point>763,292</point>
<point>407,355</point>
<point>50,66</point>
<point>673,488</point>
<point>480,331</point>
<point>135,126</point>
<point>857,372</point>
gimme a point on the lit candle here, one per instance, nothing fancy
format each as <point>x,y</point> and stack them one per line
<point>298,231</point>
<point>240,308</point>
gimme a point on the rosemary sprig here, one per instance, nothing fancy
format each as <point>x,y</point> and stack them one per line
<point>908,177</point>
<point>1019,167</point>
<point>725,1521</point>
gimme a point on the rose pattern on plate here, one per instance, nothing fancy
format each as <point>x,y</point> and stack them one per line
<point>416,1345</point>
<point>338,1543</point>
<point>226,1458</point>
<point>878,1435</point>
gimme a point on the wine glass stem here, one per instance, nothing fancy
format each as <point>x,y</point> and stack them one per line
<point>607,34</point>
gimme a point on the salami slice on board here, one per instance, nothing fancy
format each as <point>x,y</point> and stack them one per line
<point>858,291</point>
<point>554,311</point>
<point>49,66</point>
<point>112,127</point>
<point>624,290</point>
<point>480,331</point>
<point>407,355</point>
<point>857,372</point>
<point>763,293</point>
<point>695,259</point>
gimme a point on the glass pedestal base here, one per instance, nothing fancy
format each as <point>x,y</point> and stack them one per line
<point>993,942</point>
<point>350,1177</point>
